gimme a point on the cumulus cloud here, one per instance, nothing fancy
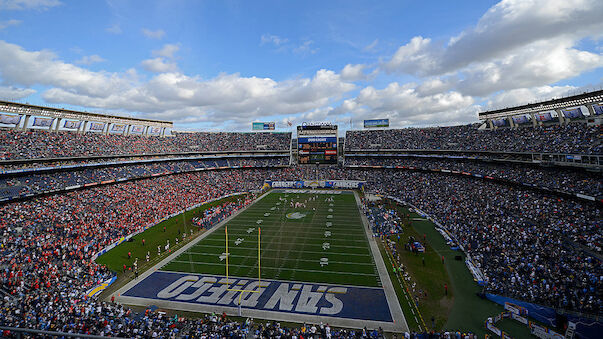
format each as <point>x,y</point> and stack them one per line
<point>172,95</point>
<point>405,105</point>
<point>12,93</point>
<point>114,29</point>
<point>371,47</point>
<point>159,65</point>
<point>523,96</point>
<point>508,26</point>
<point>515,44</point>
<point>353,72</point>
<point>28,4</point>
<point>305,48</point>
<point>541,63</point>
<point>8,23</point>
<point>272,39</point>
<point>167,51</point>
<point>90,59</point>
<point>158,34</point>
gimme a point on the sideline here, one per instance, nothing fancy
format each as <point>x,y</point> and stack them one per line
<point>118,286</point>
<point>390,293</point>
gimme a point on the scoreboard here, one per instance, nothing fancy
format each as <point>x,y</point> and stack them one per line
<point>317,144</point>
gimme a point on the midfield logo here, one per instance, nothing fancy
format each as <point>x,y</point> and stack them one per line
<point>295,215</point>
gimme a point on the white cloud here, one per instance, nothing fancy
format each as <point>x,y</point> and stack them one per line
<point>20,67</point>
<point>523,96</point>
<point>515,44</point>
<point>173,95</point>
<point>158,34</point>
<point>353,72</point>
<point>8,23</point>
<point>541,63</point>
<point>90,59</point>
<point>12,93</point>
<point>305,48</point>
<point>28,4</point>
<point>272,39</point>
<point>405,106</point>
<point>114,29</point>
<point>371,47</point>
<point>167,51</point>
<point>159,65</point>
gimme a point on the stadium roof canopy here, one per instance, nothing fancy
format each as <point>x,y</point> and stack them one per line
<point>19,108</point>
<point>586,98</point>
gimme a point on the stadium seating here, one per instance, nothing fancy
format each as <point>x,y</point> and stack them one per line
<point>570,181</point>
<point>573,139</point>
<point>17,144</point>
<point>531,245</point>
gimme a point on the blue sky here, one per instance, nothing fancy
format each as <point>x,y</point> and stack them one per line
<point>219,65</point>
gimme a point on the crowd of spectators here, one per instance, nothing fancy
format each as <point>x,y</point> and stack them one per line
<point>47,243</point>
<point>573,138</point>
<point>33,144</point>
<point>35,182</point>
<point>570,181</point>
<point>383,220</point>
<point>528,245</point>
<point>213,215</point>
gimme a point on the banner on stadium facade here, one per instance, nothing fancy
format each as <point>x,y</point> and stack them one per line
<point>306,140</point>
<point>118,128</point>
<point>154,130</point>
<point>341,184</point>
<point>136,129</point>
<point>42,122</point>
<point>72,124</point>
<point>546,116</point>
<point>521,119</point>
<point>573,113</point>
<point>97,126</point>
<point>500,122</point>
<point>376,123</point>
<point>10,119</point>
<point>263,126</point>
<point>598,109</point>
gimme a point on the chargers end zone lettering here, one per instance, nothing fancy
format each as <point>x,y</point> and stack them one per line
<point>352,302</point>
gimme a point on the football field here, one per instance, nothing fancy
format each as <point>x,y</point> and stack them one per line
<point>306,237</point>
<point>293,255</point>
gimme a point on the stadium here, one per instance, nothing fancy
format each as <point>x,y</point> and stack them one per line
<point>141,226</point>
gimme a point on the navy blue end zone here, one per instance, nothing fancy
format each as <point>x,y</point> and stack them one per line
<point>346,302</point>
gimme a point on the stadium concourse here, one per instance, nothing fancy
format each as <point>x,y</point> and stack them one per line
<point>541,246</point>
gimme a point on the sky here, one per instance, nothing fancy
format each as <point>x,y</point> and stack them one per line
<point>220,65</point>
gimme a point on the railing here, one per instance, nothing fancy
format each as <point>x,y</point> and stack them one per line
<point>594,161</point>
<point>20,332</point>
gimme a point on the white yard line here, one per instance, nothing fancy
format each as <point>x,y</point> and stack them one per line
<point>289,235</point>
<point>286,259</point>
<point>290,243</point>
<point>281,268</point>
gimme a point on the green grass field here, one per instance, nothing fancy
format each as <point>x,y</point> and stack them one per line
<point>468,311</point>
<point>156,236</point>
<point>326,243</point>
